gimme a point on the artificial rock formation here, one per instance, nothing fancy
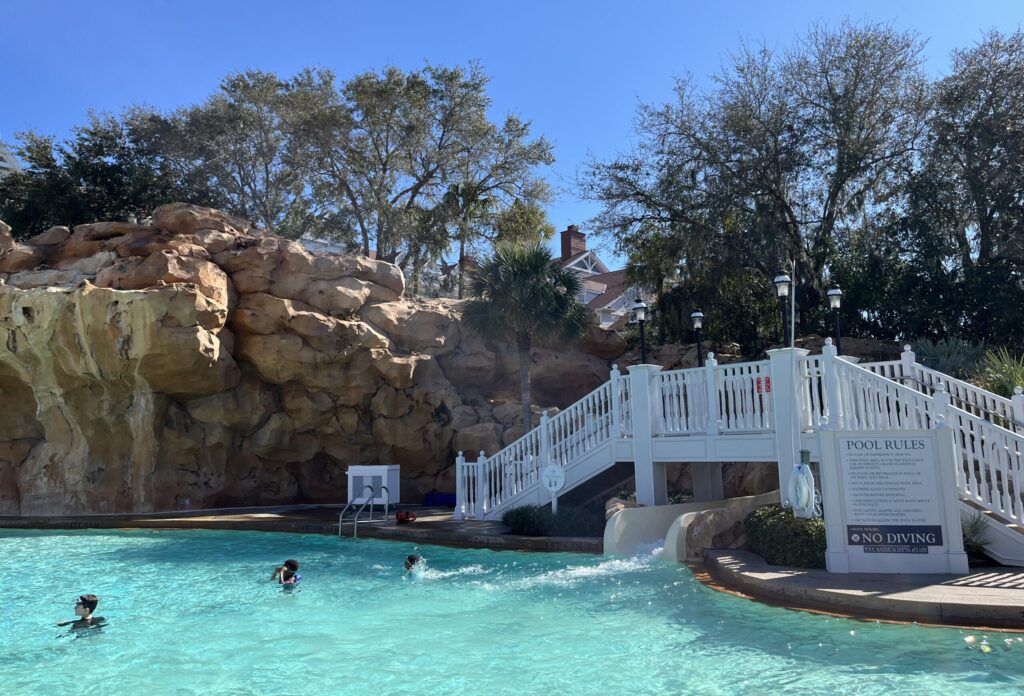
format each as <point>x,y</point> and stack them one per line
<point>196,357</point>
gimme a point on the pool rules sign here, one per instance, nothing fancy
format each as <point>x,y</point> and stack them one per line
<point>890,502</point>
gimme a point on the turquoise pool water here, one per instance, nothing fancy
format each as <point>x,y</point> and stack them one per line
<point>193,613</point>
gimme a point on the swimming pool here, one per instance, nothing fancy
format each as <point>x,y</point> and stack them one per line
<point>193,612</point>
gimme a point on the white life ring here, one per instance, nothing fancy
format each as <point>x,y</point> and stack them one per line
<point>801,488</point>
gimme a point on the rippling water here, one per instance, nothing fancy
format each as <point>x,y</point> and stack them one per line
<point>192,612</point>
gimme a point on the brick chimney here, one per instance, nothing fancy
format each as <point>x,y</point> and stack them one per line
<point>573,242</point>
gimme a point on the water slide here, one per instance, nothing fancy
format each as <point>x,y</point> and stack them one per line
<point>633,529</point>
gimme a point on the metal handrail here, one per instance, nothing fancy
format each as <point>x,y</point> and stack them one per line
<point>350,503</point>
<point>355,520</point>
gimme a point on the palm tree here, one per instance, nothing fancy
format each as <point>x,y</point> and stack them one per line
<point>522,294</point>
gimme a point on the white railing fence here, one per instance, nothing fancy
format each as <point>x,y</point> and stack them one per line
<point>736,399</point>
<point>1009,413</point>
<point>490,482</point>
<point>743,392</point>
<point>989,457</point>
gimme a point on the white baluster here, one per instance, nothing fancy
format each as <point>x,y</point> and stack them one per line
<point>1017,410</point>
<point>616,395</point>
<point>907,360</point>
<point>482,475</point>
<point>460,488</point>
<point>711,391</point>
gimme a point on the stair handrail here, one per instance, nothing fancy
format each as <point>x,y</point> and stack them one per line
<point>920,400</point>
<point>989,458</point>
<point>387,501</point>
<point>350,503</point>
<point>955,397</point>
<point>492,481</point>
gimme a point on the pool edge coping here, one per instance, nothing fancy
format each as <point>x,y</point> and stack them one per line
<point>716,575</point>
<point>421,534</point>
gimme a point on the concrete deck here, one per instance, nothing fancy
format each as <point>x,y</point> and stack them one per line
<point>432,526</point>
<point>985,598</point>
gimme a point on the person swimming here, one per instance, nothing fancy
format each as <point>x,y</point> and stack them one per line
<point>84,608</point>
<point>289,569</point>
<point>411,561</point>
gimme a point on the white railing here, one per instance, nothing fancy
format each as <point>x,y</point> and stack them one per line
<point>682,401</point>
<point>744,398</point>
<point>810,380</point>
<point>491,482</point>
<point>736,399</point>
<point>622,415</point>
<point>964,396</point>
<point>989,458</point>
<point>581,427</point>
<point>868,401</point>
<point>990,463</point>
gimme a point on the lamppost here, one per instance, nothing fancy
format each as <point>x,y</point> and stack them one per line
<point>698,323</point>
<point>640,312</point>
<point>782,284</point>
<point>835,299</point>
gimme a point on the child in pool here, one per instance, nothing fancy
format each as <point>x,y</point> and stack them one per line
<point>410,562</point>
<point>290,566</point>
<point>290,578</point>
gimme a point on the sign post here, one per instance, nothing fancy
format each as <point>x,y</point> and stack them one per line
<point>554,480</point>
<point>890,502</point>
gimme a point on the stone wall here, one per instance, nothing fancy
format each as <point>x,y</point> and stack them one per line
<point>197,357</point>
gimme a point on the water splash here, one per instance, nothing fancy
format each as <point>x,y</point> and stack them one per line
<point>573,575</point>
<point>422,573</point>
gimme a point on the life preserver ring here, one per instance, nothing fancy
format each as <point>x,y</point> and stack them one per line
<point>405,516</point>
<point>801,488</point>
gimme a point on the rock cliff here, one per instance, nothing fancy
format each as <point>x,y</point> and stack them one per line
<point>196,357</point>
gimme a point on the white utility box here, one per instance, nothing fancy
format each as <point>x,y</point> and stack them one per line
<point>377,476</point>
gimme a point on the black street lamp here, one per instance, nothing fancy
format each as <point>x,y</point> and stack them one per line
<point>782,285</point>
<point>698,323</point>
<point>835,299</point>
<point>640,312</point>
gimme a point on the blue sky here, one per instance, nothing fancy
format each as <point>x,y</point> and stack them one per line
<point>575,69</point>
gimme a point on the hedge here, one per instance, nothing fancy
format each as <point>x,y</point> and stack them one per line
<point>570,521</point>
<point>779,538</point>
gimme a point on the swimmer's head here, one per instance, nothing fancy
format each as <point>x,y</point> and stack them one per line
<point>292,565</point>
<point>411,560</point>
<point>86,604</point>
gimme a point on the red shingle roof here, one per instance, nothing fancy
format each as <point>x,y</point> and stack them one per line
<point>615,283</point>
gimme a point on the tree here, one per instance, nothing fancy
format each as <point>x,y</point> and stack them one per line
<point>777,159</point>
<point>107,170</point>
<point>241,140</point>
<point>522,223</point>
<point>384,144</point>
<point>523,295</point>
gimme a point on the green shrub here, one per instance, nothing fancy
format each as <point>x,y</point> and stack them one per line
<point>952,356</point>
<point>1001,372</point>
<point>570,521</point>
<point>780,538</point>
<point>975,537</point>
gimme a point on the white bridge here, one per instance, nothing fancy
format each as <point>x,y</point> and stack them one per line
<point>760,412</point>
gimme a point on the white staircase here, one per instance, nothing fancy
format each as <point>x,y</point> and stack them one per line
<point>651,417</point>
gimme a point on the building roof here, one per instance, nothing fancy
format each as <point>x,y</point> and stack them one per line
<point>585,262</point>
<point>615,284</point>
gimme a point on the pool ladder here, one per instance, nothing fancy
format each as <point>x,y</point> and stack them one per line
<point>368,501</point>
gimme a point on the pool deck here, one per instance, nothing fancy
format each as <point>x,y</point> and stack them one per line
<point>432,526</point>
<point>984,598</point>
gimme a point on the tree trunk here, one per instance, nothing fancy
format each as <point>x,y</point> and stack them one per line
<point>523,344</point>
<point>462,263</point>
